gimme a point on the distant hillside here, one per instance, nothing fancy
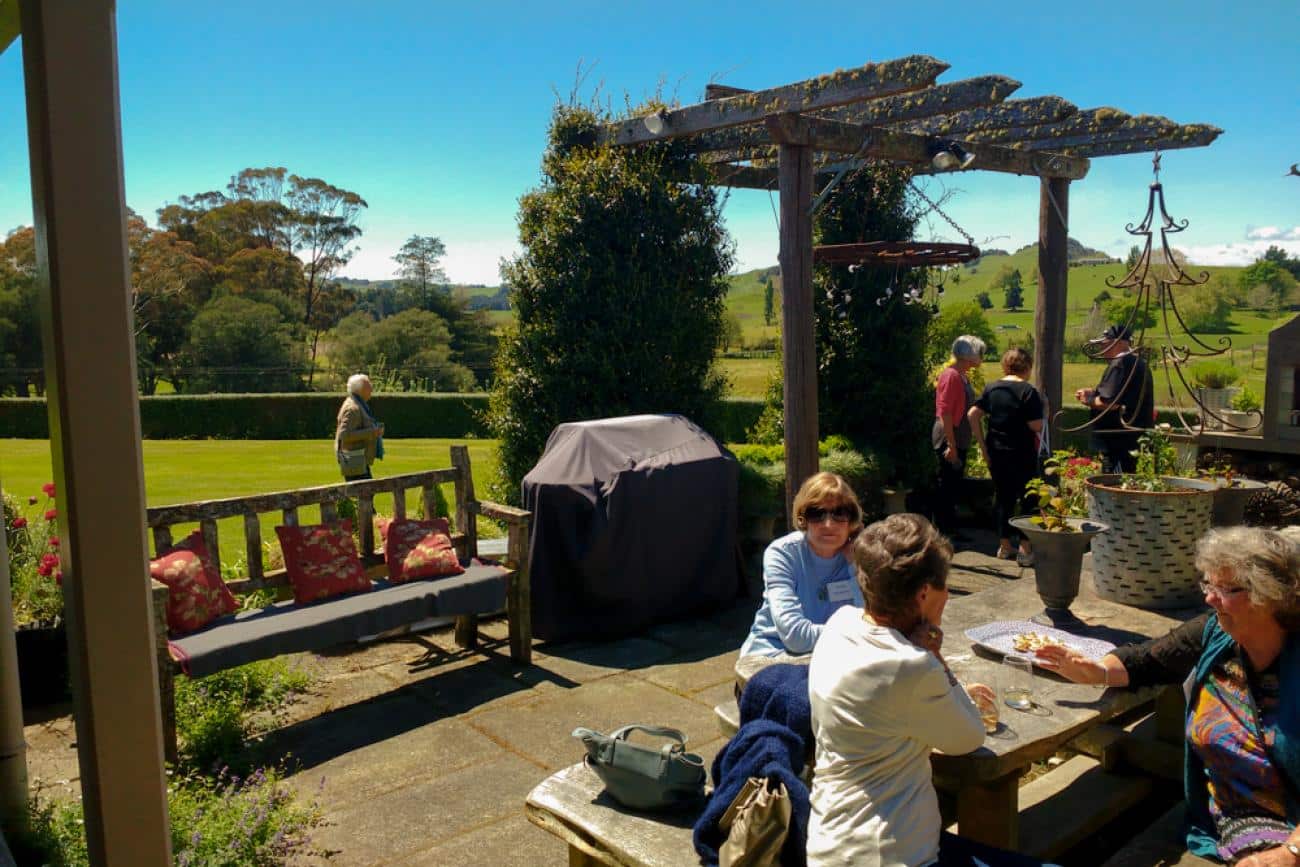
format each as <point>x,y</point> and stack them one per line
<point>1074,251</point>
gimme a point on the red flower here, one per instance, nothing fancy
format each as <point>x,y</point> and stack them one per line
<point>51,514</point>
<point>50,560</point>
<point>54,541</point>
<point>19,523</point>
<point>48,488</point>
<point>44,570</point>
<point>58,578</point>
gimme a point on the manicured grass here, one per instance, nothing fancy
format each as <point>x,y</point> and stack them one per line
<point>748,376</point>
<point>183,471</point>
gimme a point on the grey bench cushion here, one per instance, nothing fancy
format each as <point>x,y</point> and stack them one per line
<point>289,628</point>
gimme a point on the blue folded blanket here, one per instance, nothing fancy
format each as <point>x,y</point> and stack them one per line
<point>775,731</point>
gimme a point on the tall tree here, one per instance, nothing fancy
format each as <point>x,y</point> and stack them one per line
<point>769,301</point>
<point>611,246</point>
<point>418,262</point>
<point>20,330</point>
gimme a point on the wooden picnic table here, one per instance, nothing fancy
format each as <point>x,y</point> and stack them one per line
<point>571,803</point>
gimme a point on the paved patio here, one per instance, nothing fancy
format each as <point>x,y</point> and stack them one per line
<point>422,754</point>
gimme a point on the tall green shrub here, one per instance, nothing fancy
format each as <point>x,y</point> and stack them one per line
<point>871,369</point>
<point>619,293</point>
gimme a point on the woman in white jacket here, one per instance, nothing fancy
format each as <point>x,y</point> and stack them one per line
<point>882,700</point>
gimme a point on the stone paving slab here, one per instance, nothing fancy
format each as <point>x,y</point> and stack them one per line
<point>511,842</point>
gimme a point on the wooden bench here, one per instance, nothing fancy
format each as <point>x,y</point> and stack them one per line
<point>350,617</point>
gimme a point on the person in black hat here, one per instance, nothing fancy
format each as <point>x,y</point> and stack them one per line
<point>1122,401</point>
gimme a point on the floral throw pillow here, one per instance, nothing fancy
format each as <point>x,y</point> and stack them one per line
<point>418,549</point>
<point>322,561</point>
<point>196,594</point>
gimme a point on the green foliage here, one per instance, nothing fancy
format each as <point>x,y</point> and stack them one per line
<point>35,573</point>
<point>1247,400</point>
<point>1065,495</point>
<point>215,714</point>
<point>1157,458</point>
<point>414,343</point>
<point>953,321</point>
<point>731,333</point>
<point>1101,297</point>
<point>1010,281</point>
<point>871,367</point>
<point>762,473</point>
<point>1126,311</point>
<point>419,261</point>
<point>983,300</point>
<point>1206,309</point>
<point>237,345</point>
<point>1267,284</point>
<point>1282,259</point>
<point>1131,260</point>
<point>1214,374</point>
<point>224,822</point>
<point>769,301</point>
<point>619,293</point>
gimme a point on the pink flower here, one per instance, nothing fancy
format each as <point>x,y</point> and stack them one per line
<point>44,570</point>
<point>51,514</point>
<point>19,523</point>
<point>58,577</point>
<point>50,560</point>
<point>53,541</point>
<point>48,488</point>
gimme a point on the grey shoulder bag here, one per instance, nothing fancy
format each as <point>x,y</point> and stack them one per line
<point>645,778</point>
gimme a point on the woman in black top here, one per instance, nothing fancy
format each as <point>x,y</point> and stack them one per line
<point>1015,415</point>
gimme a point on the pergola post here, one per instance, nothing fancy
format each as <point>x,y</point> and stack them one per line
<point>79,209</point>
<point>1053,275</point>
<point>798,338</point>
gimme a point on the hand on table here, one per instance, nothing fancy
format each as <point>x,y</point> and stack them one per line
<point>1275,857</point>
<point>1070,664</point>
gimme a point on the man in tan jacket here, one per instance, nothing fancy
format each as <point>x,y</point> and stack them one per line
<point>358,438</point>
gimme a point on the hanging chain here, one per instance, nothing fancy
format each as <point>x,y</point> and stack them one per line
<point>938,210</point>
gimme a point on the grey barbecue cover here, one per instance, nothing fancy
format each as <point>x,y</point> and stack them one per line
<point>634,522</point>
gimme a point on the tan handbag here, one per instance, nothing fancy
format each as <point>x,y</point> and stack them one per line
<point>756,824</point>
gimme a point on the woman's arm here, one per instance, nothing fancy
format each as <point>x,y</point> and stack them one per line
<point>1168,659</point>
<point>782,577</point>
<point>941,714</point>
<point>976,416</point>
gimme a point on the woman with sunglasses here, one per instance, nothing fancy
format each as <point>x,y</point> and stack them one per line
<point>806,574</point>
<point>1242,773</point>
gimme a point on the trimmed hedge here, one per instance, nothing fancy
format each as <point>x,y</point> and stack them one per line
<point>311,416</point>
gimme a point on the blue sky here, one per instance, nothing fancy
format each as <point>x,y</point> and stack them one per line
<point>436,113</point>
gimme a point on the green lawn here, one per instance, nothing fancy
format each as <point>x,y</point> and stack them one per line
<point>182,471</point>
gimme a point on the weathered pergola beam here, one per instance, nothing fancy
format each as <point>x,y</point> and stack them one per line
<point>9,23</point>
<point>1151,132</point>
<point>1012,113</point>
<point>873,81</point>
<point>1088,122</point>
<point>722,91</point>
<point>941,99</point>
<point>1192,135</point>
<point>869,141</point>
<point>987,90</point>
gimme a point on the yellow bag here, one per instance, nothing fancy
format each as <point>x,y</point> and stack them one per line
<point>756,824</point>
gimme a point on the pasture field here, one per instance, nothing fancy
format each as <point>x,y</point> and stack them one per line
<point>182,471</point>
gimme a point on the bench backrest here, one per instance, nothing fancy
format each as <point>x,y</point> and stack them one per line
<point>287,503</point>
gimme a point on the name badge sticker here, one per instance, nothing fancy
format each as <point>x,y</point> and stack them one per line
<point>840,591</point>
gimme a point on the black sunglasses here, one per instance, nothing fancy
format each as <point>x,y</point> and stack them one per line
<point>839,514</point>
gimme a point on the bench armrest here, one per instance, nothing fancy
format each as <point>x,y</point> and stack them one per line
<point>499,512</point>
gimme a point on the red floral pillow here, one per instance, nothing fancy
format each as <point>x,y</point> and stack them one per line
<point>196,594</point>
<point>322,561</point>
<point>418,549</point>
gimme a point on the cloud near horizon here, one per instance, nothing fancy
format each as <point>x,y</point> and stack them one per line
<point>1272,233</point>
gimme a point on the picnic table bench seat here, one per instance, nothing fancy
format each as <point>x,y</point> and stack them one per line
<point>1162,844</point>
<point>285,627</point>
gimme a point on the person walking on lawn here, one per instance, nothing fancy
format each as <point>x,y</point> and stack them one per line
<point>358,438</point>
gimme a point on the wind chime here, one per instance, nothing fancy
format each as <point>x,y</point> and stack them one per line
<point>930,255</point>
<point>1152,285</point>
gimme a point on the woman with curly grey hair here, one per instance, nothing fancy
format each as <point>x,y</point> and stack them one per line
<point>1242,776</point>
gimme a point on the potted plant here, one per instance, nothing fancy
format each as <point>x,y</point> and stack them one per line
<point>36,586</point>
<point>1060,533</point>
<point>1231,492</point>
<point>1213,382</point>
<point>1247,412</point>
<point>1155,520</point>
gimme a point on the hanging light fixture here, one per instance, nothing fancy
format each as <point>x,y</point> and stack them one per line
<point>949,156</point>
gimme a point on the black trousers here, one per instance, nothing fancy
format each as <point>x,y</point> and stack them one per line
<point>948,490</point>
<point>1010,472</point>
<point>1116,452</point>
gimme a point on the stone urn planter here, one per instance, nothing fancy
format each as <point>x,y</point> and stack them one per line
<point>43,665</point>
<point>1230,500</point>
<point>1218,401</point>
<point>1247,422</point>
<point>1147,558</point>
<point>1058,560</point>
<point>895,500</point>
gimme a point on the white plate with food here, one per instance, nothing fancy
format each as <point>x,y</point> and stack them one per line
<point>1024,638</point>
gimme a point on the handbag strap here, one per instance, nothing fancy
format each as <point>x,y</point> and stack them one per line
<point>656,731</point>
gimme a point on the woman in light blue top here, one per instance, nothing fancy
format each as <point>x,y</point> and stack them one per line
<point>806,575</point>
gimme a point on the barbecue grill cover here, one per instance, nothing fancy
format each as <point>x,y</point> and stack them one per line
<point>634,522</point>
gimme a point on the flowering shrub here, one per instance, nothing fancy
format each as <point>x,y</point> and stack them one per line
<point>35,573</point>
<point>1156,459</point>
<point>1068,497</point>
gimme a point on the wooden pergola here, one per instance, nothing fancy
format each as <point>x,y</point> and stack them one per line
<point>799,138</point>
